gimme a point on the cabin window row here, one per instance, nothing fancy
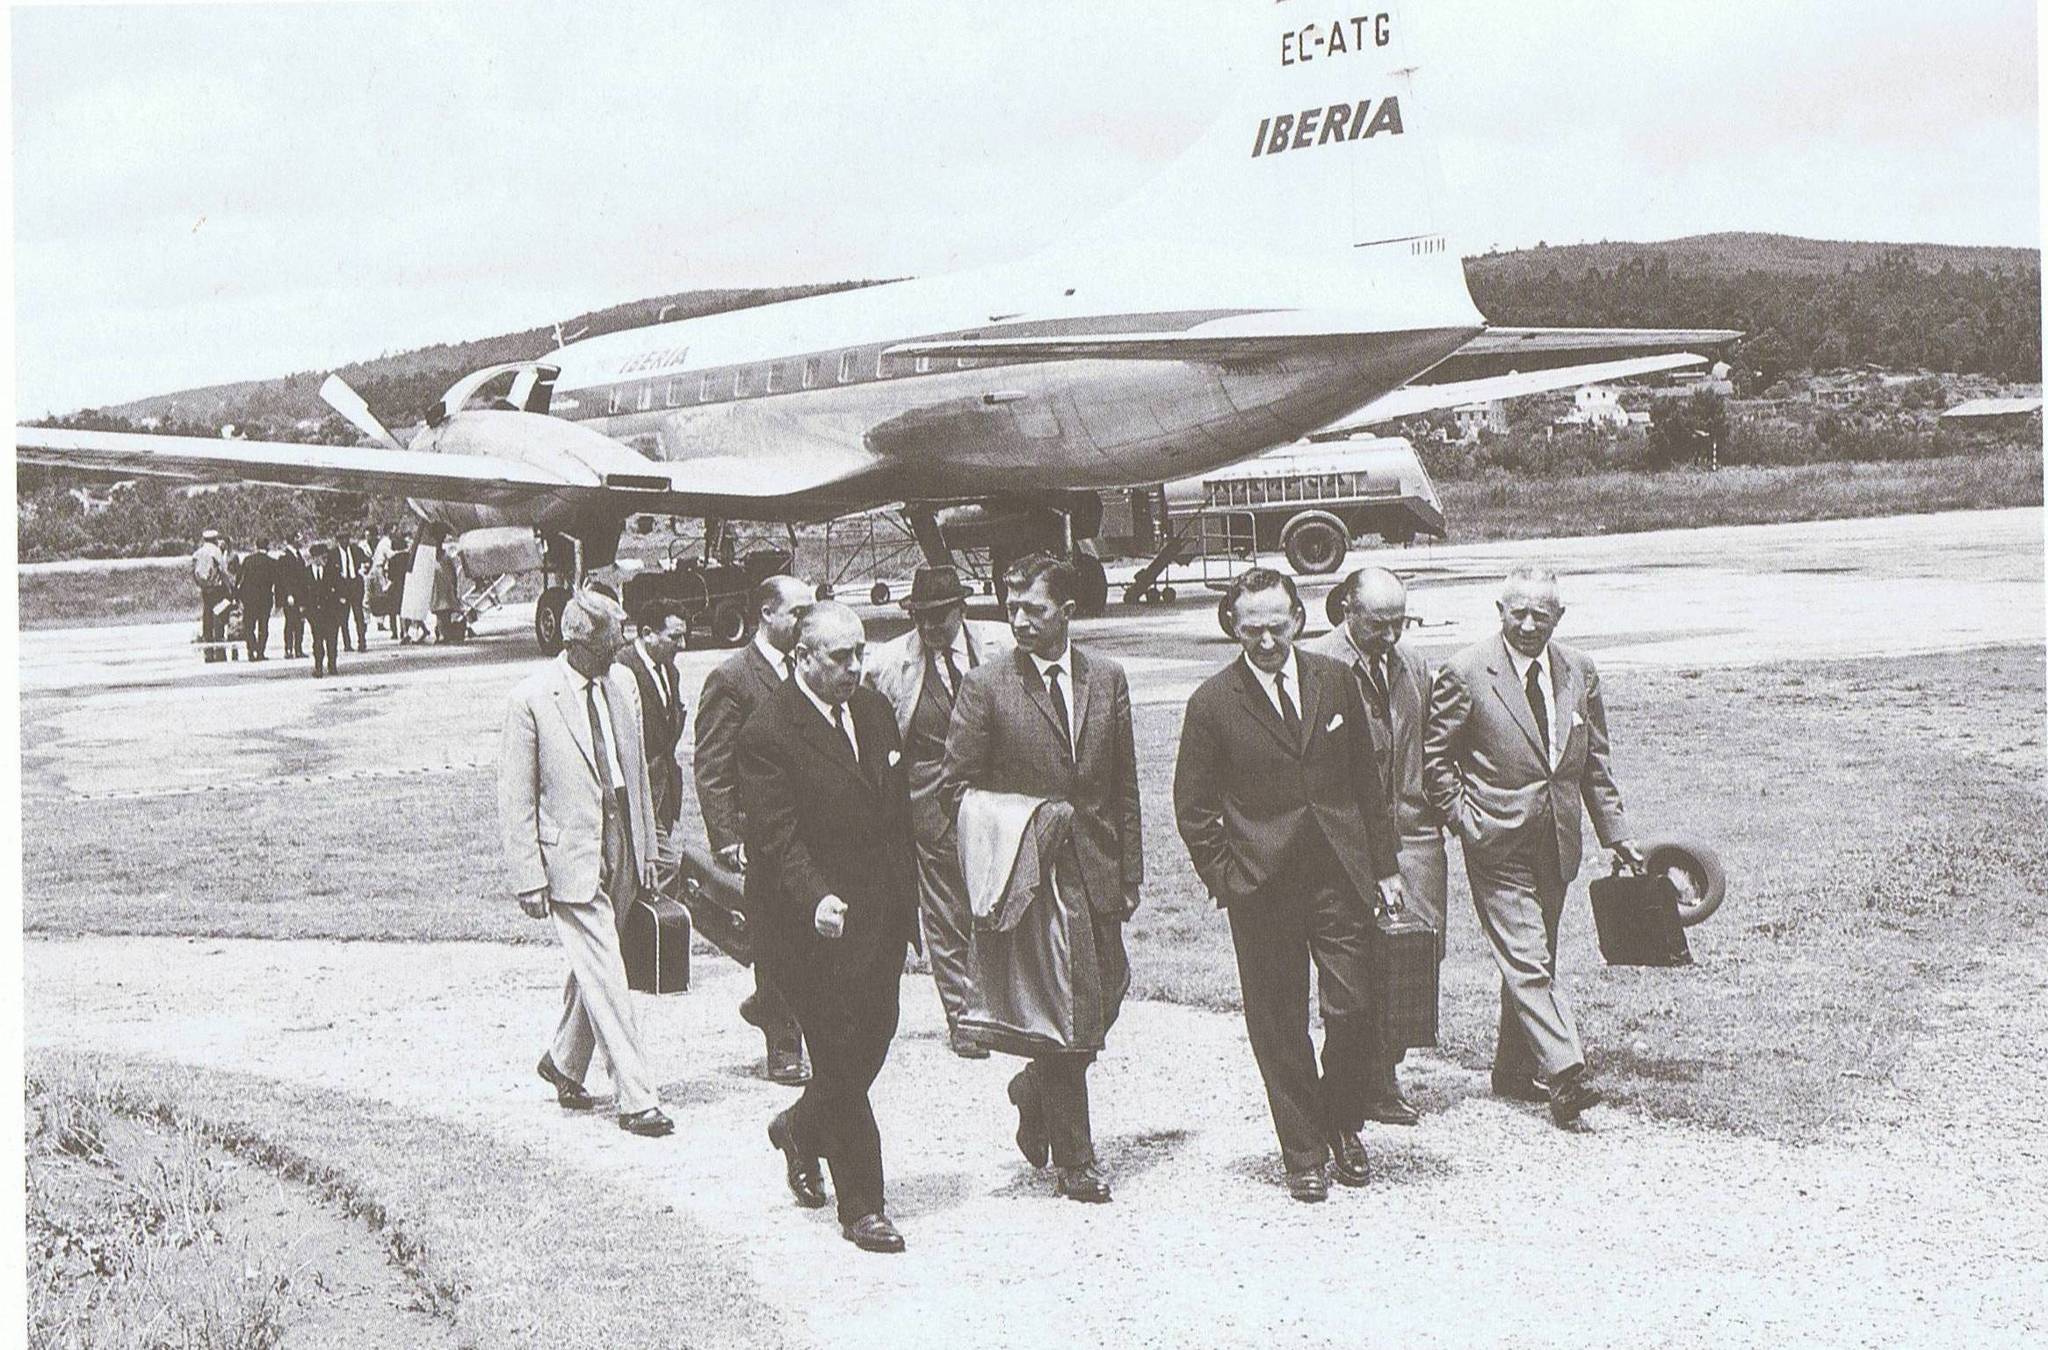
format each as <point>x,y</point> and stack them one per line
<point>718,386</point>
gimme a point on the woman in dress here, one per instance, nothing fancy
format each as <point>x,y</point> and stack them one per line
<point>416,603</point>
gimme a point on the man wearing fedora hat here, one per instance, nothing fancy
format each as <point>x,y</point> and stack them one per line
<point>920,673</point>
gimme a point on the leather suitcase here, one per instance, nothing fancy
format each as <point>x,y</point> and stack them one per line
<point>1637,918</point>
<point>1401,956</point>
<point>711,894</point>
<point>655,940</point>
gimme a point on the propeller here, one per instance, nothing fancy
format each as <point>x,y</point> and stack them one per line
<point>337,394</point>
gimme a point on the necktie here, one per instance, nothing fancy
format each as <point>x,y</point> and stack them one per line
<point>1376,684</point>
<point>348,564</point>
<point>952,675</point>
<point>599,747</point>
<point>788,666</point>
<point>1059,708</point>
<point>1289,714</point>
<point>839,721</point>
<point>1540,706</point>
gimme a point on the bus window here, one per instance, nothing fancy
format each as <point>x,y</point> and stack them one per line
<point>618,399</point>
<point>739,383</point>
<point>646,396</point>
<point>704,388</point>
<point>924,365</point>
<point>846,360</point>
<point>675,393</point>
<point>774,380</point>
<point>811,369</point>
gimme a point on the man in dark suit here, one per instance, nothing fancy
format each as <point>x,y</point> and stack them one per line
<point>322,602</point>
<point>291,592</point>
<point>1517,738</point>
<point>833,883</point>
<point>1393,681</point>
<point>1053,721</point>
<point>351,566</point>
<point>1277,795</point>
<point>652,658</point>
<point>256,588</point>
<point>730,694</point>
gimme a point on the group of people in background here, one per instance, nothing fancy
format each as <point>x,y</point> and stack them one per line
<point>325,590</point>
<point>921,787</point>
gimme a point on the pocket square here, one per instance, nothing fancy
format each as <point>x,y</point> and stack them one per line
<point>1335,722</point>
<point>895,758</point>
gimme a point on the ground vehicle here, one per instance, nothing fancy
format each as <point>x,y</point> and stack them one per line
<point>716,597</point>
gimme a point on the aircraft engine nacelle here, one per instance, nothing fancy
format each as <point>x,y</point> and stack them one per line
<point>497,550</point>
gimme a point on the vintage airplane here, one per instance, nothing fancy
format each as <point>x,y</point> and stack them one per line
<point>1287,273</point>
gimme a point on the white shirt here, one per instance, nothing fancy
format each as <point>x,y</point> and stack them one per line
<point>582,684</point>
<point>1522,664</point>
<point>1292,670</point>
<point>661,672</point>
<point>768,653</point>
<point>960,662</point>
<point>825,710</point>
<point>1064,663</point>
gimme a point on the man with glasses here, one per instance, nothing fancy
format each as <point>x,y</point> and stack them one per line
<point>1393,683</point>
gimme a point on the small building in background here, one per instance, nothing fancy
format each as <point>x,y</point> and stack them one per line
<point>1994,414</point>
<point>1473,418</point>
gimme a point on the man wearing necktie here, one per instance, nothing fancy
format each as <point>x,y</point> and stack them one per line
<point>832,885</point>
<point>731,692</point>
<point>1054,721</point>
<point>1516,740</point>
<point>324,607</point>
<point>351,562</point>
<point>1277,793</point>
<point>651,656</point>
<point>573,807</point>
<point>920,674</point>
<point>1393,682</point>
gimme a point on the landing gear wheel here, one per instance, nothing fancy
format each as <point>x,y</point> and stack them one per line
<point>1223,618</point>
<point>1167,596</point>
<point>1695,870</point>
<point>1091,586</point>
<point>547,619</point>
<point>879,595</point>
<point>729,623</point>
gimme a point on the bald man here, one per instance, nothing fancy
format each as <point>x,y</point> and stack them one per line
<point>577,819</point>
<point>1516,740</point>
<point>832,886</point>
<point>1393,681</point>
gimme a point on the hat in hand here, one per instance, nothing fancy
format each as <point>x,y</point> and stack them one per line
<point>935,588</point>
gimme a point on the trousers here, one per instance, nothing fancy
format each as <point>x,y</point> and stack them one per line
<point>1519,895</point>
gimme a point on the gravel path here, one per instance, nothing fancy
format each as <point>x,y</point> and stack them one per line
<point>1927,1226</point>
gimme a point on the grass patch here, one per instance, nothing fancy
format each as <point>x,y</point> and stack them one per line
<point>498,1244</point>
<point>1881,824</point>
<point>1504,507</point>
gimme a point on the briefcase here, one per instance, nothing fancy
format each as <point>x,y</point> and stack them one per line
<point>1401,960</point>
<point>711,894</point>
<point>655,940</point>
<point>1637,918</point>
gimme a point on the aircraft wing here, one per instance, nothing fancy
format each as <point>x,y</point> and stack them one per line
<point>1508,351</point>
<point>1411,400</point>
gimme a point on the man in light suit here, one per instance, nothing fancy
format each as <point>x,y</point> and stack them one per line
<point>1393,684</point>
<point>1277,794</point>
<point>833,885</point>
<point>573,809</point>
<point>651,656</point>
<point>731,692</point>
<point>1517,738</point>
<point>920,674</point>
<point>1054,722</point>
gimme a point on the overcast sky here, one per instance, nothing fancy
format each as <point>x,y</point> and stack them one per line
<point>211,193</point>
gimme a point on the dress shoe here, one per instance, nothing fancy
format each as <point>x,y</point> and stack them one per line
<point>1086,1184</point>
<point>872,1233</point>
<point>1032,1140</point>
<point>785,1063</point>
<point>800,1171</point>
<point>1348,1160</point>
<point>1393,1109</point>
<point>1308,1184</point>
<point>650,1123</point>
<point>568,1091</point>
<point>965,1046</point>
<point>1519,1089</point>
<point>1571,1095</point>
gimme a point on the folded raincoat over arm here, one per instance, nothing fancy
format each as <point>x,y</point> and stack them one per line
<point>1031,949</point>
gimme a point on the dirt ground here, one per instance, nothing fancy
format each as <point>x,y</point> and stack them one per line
<point>1484,1224</point>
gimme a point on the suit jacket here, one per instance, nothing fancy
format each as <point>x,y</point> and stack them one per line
<point>550,802</point>
<point>731,692</point>
<point>661,729</point>
<point>256,583</point>
<point>321,596</point>
<point>819,823</point>
<point>1246,792</point>
<point>291,579</point>
<point>1004,739</point>
<point>1399,745</point>
<point>895,670</point>
<point>1483,757</point>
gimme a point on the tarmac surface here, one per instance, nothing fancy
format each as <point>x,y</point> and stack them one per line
<point>1485,1224</point>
